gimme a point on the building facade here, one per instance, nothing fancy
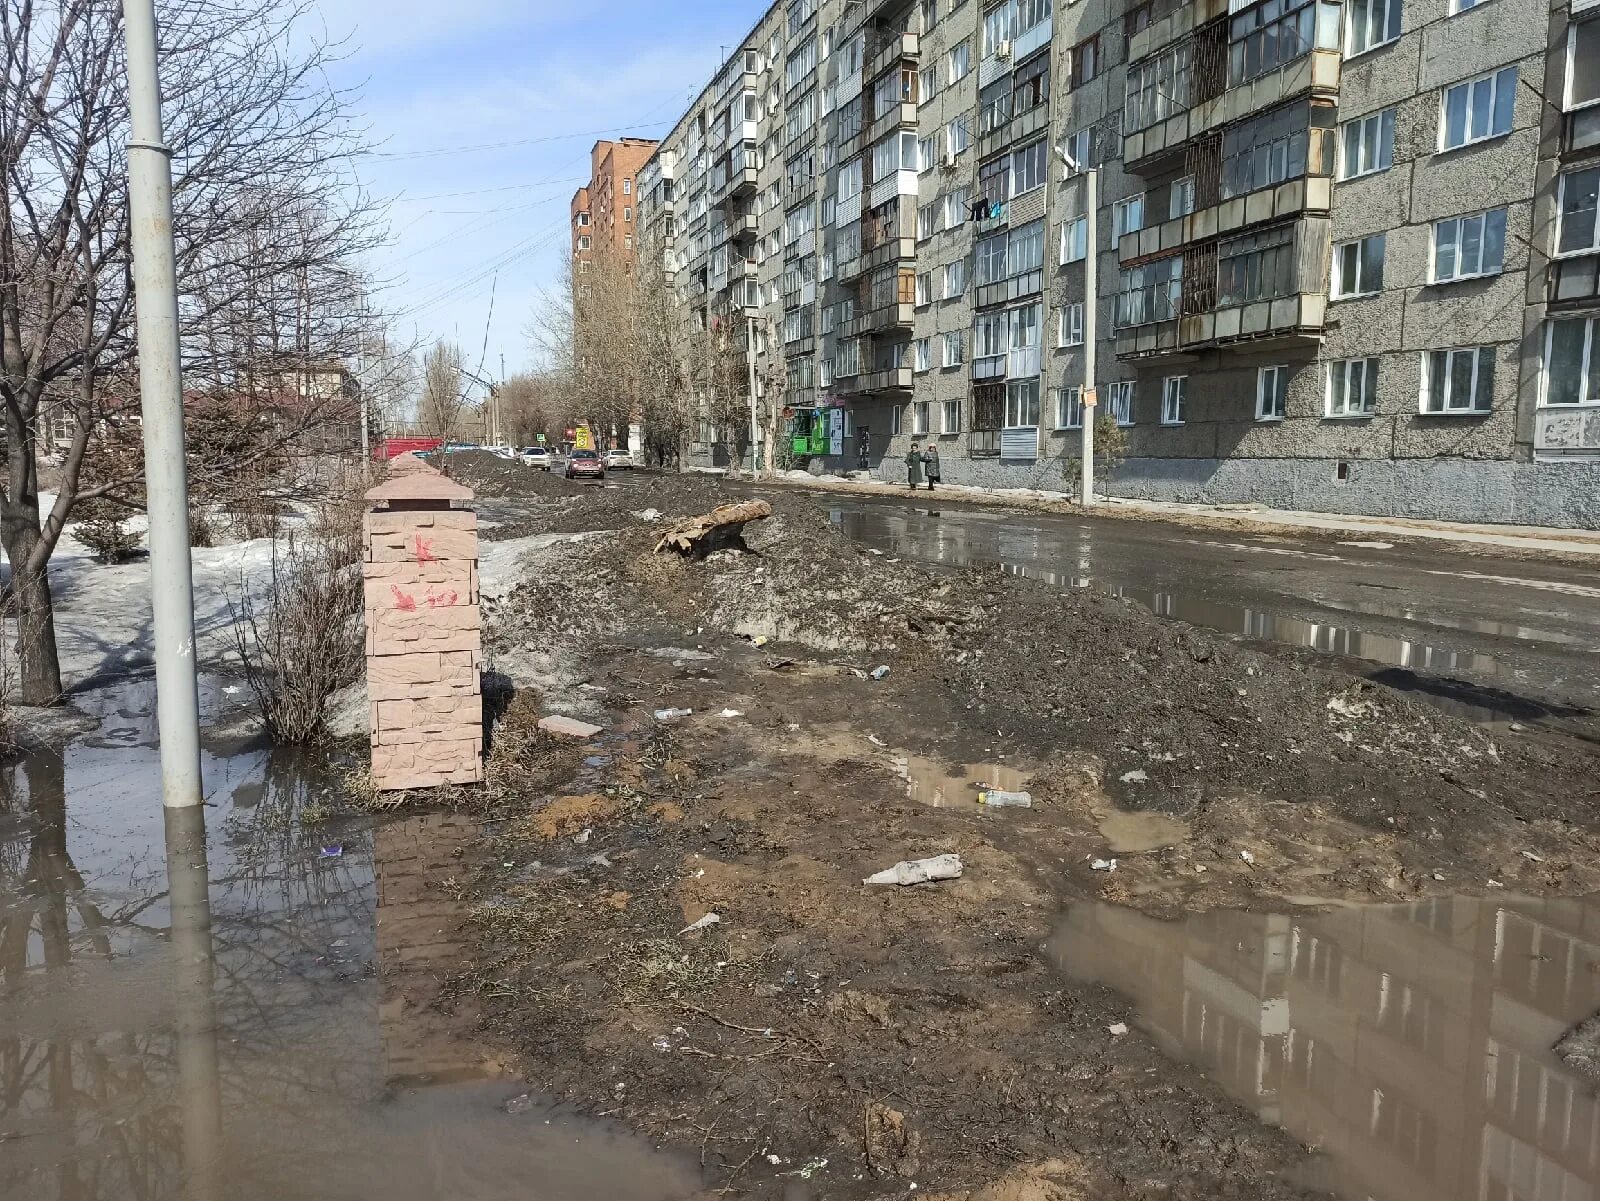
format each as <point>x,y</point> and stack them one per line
<point>605,211</point>
<point>1346,251</point>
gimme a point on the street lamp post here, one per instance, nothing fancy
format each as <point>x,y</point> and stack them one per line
<point>1091,280</point>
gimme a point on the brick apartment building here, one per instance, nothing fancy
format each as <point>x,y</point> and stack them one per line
<point>1348,255</point>
<point>605,212</point>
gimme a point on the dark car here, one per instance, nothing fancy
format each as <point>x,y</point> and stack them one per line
<point>585,465</point>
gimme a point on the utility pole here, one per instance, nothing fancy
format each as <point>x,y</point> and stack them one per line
<point>750,359</point>
<point>161,401</point>
<point>1091,305</point>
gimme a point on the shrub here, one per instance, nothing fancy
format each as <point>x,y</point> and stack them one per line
<point>103,528</point>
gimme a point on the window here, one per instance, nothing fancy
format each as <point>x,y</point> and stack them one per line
<point>1069,408</point>
<point>1370,24</point>
<point>959,61</point>
<point>955,279</point>
<point>1467,246</point>
<point>627,187</point>
<point>989,345</point>
<point>1028,168</point>
<point>1572,362</point>
<point>1272,393</point>
<point>627,214</point>
<point>1258,266</point>
<point>850,180</point>
<point>954,349</point>
<point>1461,6</point>
<point>928,83</point>
<point>1076,147</point>
<point>1085,61</point>
<point>1069,325</point>
<point>927,221</point>
<point>919,417</point>
<point>627,241</point>
<point>1577,231</point>
<point>1358,267</point>
<point>1459,380</point>
<point>956,205</point>
<point>926,153</point>
<point>1075,240</point>
<point>583,220</point>
<point>1158,86</point>
<point>1353,388</point>
<point>1174,392</point>
<point>1583,65</point>
<point>896,418</point>
<point>1477,109</point>
<point>1023,331</point>
<point>924,288</point>
<point>930,14</point>
<point>825,373</point>
<point>950,417</point>
<point>999,27</point>
<point>1119,398</point>
<point>1127,216</point>
<point>958,136</point>
<point>1150,292</point>
<point>1022,404</point>
<point>1180,198</point>
<point>991,260</point>
<point>583,242</point>
<point>1367,144</point>
<point>1266,37</point>
<point>801,63</point>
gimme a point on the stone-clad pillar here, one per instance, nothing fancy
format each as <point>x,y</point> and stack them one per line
<point>424,631</point>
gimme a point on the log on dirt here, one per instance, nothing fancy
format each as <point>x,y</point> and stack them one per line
<point>719,529</point>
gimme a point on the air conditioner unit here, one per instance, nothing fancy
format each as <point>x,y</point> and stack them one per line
<point>949,159</point>
<point>1002,49</point>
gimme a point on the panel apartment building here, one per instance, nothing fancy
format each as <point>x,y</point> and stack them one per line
<point>1348,256</point>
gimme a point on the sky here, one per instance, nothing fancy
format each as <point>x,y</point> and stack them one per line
<point>482,114</point>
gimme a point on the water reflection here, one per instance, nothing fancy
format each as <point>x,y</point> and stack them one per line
<point>1410,1044</point>
<point>290,1042</point>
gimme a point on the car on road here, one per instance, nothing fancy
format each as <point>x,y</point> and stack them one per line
<point>585,464</point>
<point>619,460</point>
<point>536,456</point>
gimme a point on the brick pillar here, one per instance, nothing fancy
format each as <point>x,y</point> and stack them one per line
<point>424,631</point>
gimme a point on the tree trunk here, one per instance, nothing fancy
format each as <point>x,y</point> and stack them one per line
<point>37,657</point>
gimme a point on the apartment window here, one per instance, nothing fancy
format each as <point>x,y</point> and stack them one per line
<point>955,279</point>
<point>1119,399</point>
<point>1023,332</point>
<point>930,14</point>
<point>1069,325</point>
<point>958,136</point>
<point>1158,87</point>
<point>926,153</point>
<point>959,61</point>
<point>1022,404</point>
<point>1266,37</point>
<point>919,417</point>
<point>954,350</point>
<point>956,205</point>
<point>950,417</point>
<point>1127,216</point>
<point>923,360</point>
<point>989,345</point>
<point>1477,109</point>
<point>1030,86</point>
<point>1353,388</point>
<point>999,27</point>
<point>800,64</point>
<point>924,288</point>
<point>1583,65</point>
<point>627,241</point>
<point>1258,266</point>
<point>1076,146</point>
<point>928,83</point>
<point>991,260</point>
<point>1075,240</point>
<point>1174,394</point>
<point>1150,292</point>
<point>850,180</point>
<point>1358,267</point>
<point>1460,380</point>
<point>627,187</point>
<point>1028,168</point>
<point>583,242</point>
<point>583,220</point>
<point>927,221</point>
<point>1069,408</point>
<point>1180,198</point>
<point>896,419</point>
<point>627,214</point>
<point>1367,144</point>
<point>1370,24</point>
<point>1577,230</point>
<point>1085,61</point>
<point>1464,247</point>
<point>825,373</point>
<point>849,119</point>
<point>1572,362</point>
<point>1272,393</point>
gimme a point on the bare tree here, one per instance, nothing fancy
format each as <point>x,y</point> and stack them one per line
<point>268,224</point>
<point>528,408</point>
<point>443,407</point>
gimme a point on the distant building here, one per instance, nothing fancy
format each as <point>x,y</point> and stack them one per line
<point>605,212</point>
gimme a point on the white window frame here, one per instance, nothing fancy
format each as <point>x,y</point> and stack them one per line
<point>1272,393</point>
<point>1336,394</point>
<point>897,420</point>
<point>956,340</point>
<point>1074,240</point>
<point>1461,225</point>
<point>1449,409</point>
<point>922,352</point>
<point>1457,7</point>
<point>1571,63</point>
<point>1121,222</point>
<point>1119,401</point>
<point>955,271</point>
<point>950,417</point>
<point>1591,349</point>
<point>921,418</point>
<point>1561,215</point>
<point>952,73</point>
<point>1068,406</point>
<point>1393,16</point>
<point>1496,80</point>
<point>1069,325</point>
<point>1373,132</point>
<point>1342,289</point>
<point>1174,400</point>
<point>924,288</point>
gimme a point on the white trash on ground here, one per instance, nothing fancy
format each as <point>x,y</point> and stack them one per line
<point>998,798</point>
<point>919,871</point>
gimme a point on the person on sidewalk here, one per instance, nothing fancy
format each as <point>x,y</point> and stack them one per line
<point>930,464</point>
<point>913,467</point>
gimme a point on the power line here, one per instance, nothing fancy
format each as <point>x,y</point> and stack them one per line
<point>510,187</point>
<point>398,155</point>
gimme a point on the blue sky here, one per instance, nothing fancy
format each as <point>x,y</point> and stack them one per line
<point>443,75</point>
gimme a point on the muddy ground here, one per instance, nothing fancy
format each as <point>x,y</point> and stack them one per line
<point>920,1035</point>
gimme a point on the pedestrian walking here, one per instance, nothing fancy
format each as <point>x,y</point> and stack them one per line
<point>913,467</point>
<point>930,464</point>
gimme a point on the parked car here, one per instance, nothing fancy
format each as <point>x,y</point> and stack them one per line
<point>619,460</point>
<point>536,456</point>
<point>585,464</point>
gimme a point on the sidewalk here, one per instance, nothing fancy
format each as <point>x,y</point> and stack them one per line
<point>1379,532</point>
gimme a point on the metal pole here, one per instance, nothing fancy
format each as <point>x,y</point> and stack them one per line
<point>194,1008</point>
<point>1091,304</point>
<point>361,381</point>
<point>161,399</point>
<point>750,357</point>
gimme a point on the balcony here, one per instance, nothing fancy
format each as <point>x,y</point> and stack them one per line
<point>900,116</point>
<point>1171,23</point>
<point>894,379</point>
<point>1308,194</point>
<point>896,48</point>
<point>888,317</point>
<point>892,250</point>
<point>743,223</point>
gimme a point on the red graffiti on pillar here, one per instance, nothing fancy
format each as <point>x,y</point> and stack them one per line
<point>424,551</point>
<point>442,600</point>
<point>402,600</point>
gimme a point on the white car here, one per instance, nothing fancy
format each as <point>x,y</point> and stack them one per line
<point>536,456</point>
<point>619,460</point>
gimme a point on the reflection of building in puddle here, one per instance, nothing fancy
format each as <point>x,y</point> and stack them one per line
<point>420,921</point>
<point>1410,1044</point>
<point>939,786</point>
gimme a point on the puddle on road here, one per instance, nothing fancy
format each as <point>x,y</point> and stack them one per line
<point>1409,1046</point>
<point>934,783</point>
<point>1128,833</point>
<point>317,1041</point>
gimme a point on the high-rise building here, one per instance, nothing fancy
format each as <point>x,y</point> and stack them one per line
<point>605,212</point>
<point>1348,253</point>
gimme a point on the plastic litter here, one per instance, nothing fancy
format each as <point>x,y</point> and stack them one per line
<point>1136,777</point>
<point>568,727</point>
<point>731,713</point>
<point>1103,865</point>
<point>1118,1030</point>
<point>705,923</point>
<point>333,852</point>
<point>520,1104</point>
<point>879,673</point>
<point>1532,857</point>
<point>673,714</point>
<point>919,871</point>
<point>997,798</point>
<point>1247,856</point>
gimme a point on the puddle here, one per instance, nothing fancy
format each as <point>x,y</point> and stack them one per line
<point>234,1012</point>
<point>933,783</point>
<point>1409,1046</point>
<point>1140,833</point>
